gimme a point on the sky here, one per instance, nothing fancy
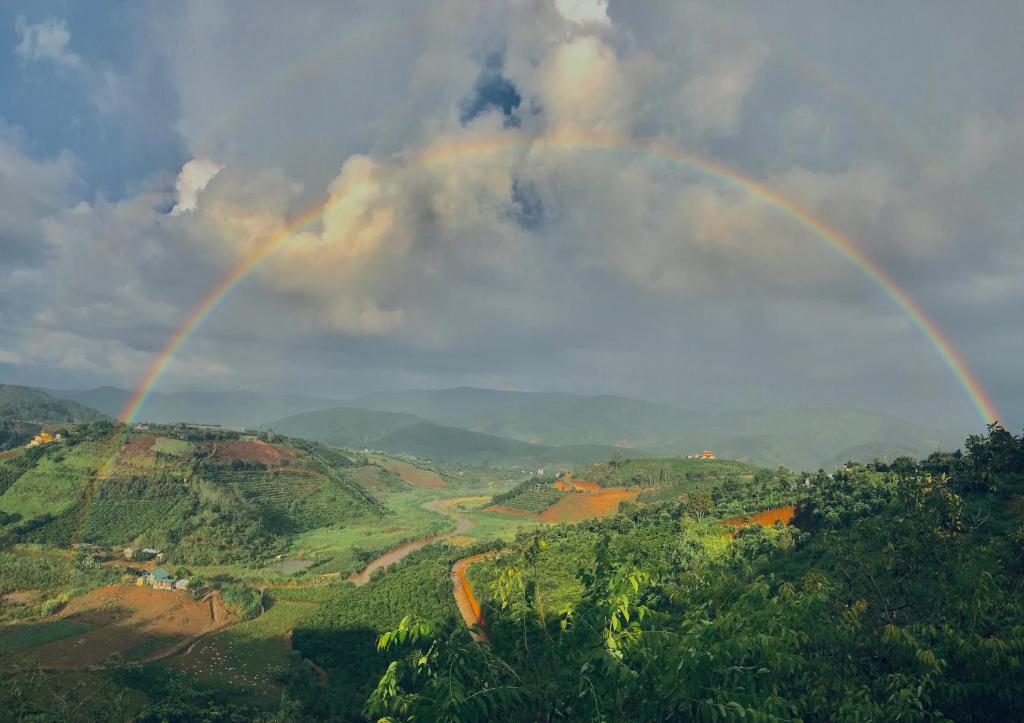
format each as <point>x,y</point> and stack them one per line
<point>491,198</point>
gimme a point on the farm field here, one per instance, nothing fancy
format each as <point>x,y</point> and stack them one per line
<point>347,546</point>
<point>416,476</point>
<point>250,655</point>
<point>134,624</point>
<point>576,506</point>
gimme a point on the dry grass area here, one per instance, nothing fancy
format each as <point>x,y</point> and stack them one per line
<point>253,450</point>
<point>413,475</point>
<point>20,597</point>
<point>133,623</point>
<point>585,504</point>
<point>766,518</point>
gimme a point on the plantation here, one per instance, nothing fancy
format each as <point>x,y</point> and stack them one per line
<point>533,500</point>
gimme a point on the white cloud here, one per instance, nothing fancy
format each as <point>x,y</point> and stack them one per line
<point>193,178</point>
<point>47,41</point>
<point>584,12</point>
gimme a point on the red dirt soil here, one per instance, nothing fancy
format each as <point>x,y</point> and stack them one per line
<point>137,451</point>
<point>143,622</point>
<point>766,518</point>
<point>576,507</point>
<point>253,450</point>
<point>466,601</point>
<point>414,475</point>
<point>574,485</point>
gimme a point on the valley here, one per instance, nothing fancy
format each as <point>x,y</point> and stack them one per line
<point>295,569</point>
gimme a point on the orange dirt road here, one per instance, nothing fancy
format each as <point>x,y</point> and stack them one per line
<point>466,601</point>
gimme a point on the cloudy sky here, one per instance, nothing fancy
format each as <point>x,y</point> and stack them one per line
<point>493,197</point>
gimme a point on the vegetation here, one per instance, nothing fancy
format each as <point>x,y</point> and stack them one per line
<point>411,435</point>
<point>26,404</point>
<point>340,635</point>
<point>532,495</point>
<point>899,600</point>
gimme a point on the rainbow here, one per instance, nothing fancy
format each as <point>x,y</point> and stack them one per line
<point>576,140</point>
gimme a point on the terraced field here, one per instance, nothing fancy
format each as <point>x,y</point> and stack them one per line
<point>534,501</point>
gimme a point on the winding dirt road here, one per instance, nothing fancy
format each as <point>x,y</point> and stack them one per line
<point>462,524</point>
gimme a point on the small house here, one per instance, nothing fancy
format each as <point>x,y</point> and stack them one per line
<point>181,584</point>
<point>161,580</point>
<point>707,454</point>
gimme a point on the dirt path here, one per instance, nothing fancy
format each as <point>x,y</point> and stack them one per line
<point>462,524</point>
<point>465,600</point>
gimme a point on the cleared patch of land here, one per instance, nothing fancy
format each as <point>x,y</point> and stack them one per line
<point>577,506</point>
<point>413,475</point>
<point>253,450</point>
<point>766,517</point>
<point>134,624</point>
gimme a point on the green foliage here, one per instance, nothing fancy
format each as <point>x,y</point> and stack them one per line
<point>689,474</point>
<point>26,635</point>
<point>899,601</point>
<point>340,635</point>
<point>244,602</point>
<point>534,495</point>
<point>33,405</point>
<point>15,434</point>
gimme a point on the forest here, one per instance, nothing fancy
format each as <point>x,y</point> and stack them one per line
<point>896,596</point>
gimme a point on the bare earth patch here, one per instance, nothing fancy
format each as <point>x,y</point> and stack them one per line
<point>585,505</point>
<point>134,623</point>
<point>253,450</point>
<point>414,475</point>
<point>766,518</point>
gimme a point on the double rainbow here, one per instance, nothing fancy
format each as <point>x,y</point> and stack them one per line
<point>580,141</point>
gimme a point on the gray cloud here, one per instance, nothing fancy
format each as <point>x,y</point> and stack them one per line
<point>457,247</point>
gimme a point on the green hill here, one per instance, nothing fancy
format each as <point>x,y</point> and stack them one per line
<point>407,434</point>
<point>25,404</point>
<point>207,496</point>
<point>227,408</point>
<point>801,439</point>
<point>868,594</point>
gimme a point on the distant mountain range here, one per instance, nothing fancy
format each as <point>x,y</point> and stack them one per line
<point>486,424</point>
<point>230,409</point>
<point>25,404</point>
<point>409,434</point>
<point>801,439</point>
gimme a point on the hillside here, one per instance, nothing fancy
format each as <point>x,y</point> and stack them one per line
<point>25,404</point>
<point>881,595</point>
<point>407,434</point>
<point>242,409</point>
<point>468,407</point>
<point>801,439</point>
<point>207,497</point>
